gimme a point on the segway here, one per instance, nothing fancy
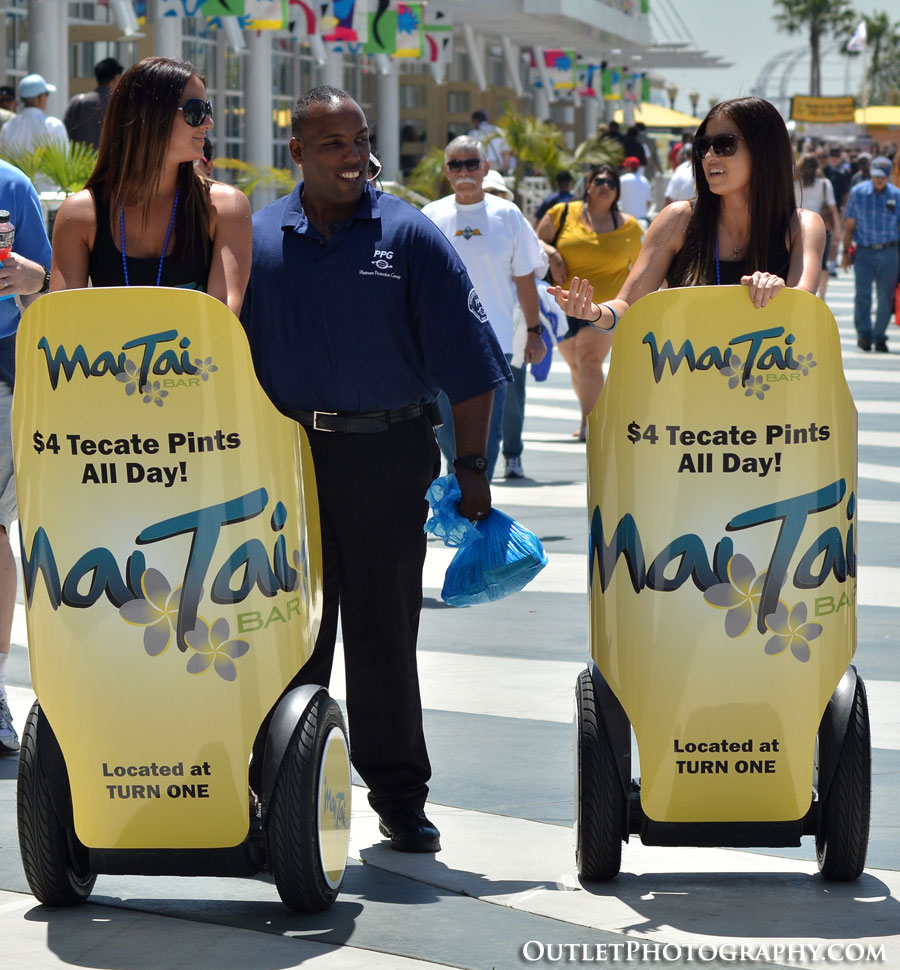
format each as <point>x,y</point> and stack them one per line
<point>722,542</point>
<point>172,568</point>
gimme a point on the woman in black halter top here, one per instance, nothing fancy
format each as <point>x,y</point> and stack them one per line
<point>148,217</point>
<point>743,228</point>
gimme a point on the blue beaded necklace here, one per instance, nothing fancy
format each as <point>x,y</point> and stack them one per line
<point>165,244</point>
<point>718,273</point>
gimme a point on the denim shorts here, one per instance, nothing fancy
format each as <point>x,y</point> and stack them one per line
<point>8,508</point>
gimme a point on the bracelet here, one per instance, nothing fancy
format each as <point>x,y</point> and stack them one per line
<point>593,323</point>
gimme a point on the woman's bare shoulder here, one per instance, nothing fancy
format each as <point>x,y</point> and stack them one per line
<point>79,209</point>
<point>227,200</point>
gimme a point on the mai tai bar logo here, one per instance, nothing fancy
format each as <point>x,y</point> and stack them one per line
<point>164,362</point>
<point>764,360</point>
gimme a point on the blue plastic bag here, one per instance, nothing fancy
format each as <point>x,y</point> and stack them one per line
<point>506,559</point>
<point>496,556</point>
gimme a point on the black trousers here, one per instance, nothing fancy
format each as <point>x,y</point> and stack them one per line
<point>372,503</point>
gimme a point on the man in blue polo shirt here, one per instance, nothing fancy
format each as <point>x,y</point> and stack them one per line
<point>24,273</point>
<point>358,312</point>
<point>872,221</point>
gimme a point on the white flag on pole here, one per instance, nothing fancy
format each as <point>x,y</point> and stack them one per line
<point>858,41</point>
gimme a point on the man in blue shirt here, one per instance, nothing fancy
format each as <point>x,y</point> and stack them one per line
<point>24,273</point>
<point>872,221</point>
<point>358,312</point>
<point>563,193</point>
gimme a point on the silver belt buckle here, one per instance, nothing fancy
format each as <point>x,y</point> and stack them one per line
<point>316,419</point>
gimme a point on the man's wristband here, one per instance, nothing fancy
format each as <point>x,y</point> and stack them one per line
<point>477,463</point>
<point>45,288</point>
<point>593,323</point>
<point>539,329</point>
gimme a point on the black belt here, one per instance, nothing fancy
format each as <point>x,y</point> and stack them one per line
<point>887,245</point>
<point>370,422</point>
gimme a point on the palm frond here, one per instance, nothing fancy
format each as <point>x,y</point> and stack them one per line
<point>69,167</point>
<point>427,178</point>
<point>250,177</point>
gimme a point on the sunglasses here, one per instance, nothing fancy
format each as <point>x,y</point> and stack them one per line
<point>469,164</point>
<point>722,145</point>
<point>196,111</point>
<point>609,183</point>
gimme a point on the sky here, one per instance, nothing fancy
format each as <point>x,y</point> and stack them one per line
<point>743,33</point>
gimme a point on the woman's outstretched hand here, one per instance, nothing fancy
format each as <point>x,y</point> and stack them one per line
<point>577,300</point>
<point>763,287</point>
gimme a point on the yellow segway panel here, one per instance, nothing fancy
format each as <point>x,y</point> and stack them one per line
<point>171,556</point>
<point>722,507</point>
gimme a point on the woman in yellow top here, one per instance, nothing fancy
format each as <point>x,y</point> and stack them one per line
<point>595,242</point>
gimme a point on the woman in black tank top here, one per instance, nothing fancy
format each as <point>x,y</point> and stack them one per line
<point>743,228</point>
<point>148,217</point>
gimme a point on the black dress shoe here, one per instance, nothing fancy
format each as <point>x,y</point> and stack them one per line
<point>881,346</point>
<point>864,343</point>
<point>410,831</point>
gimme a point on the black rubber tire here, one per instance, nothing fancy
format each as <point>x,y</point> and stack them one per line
<point>292,834</point>
<point>842,838</point>
<point>56,864</point>
<point>600,810</point>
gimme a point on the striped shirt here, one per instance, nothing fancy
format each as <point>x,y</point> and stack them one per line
<point>877,214</point>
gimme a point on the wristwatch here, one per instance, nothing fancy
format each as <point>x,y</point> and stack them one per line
<point>46,287</point>
<point>539,329</point>
<point>478,463</point>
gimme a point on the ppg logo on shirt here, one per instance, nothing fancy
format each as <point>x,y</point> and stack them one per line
<point>476,307</point>
<point>381,258</point>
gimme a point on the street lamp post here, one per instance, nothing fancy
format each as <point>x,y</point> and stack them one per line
<point>694,97</point>
<point>672,92</point>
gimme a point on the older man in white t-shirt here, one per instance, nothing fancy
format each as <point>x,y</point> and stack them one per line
<point>501,254</point>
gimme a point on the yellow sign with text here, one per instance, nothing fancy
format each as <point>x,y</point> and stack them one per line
<point>824,111</point>
<point>171,557</point>
<point>722,501</point>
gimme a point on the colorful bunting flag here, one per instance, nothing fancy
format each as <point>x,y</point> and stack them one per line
<point>438,34</point>
<point>382,31</point>
<point>410,35</point>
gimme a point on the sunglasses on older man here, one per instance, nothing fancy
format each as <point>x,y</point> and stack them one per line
<point>196,111</point>
<point>469,164</point>
<point>722,145</point>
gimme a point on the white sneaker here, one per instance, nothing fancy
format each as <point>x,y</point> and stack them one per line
<point>9,740</point>
<point>514,468</point>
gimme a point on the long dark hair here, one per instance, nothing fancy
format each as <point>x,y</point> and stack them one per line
<point>772,203</point>
<point>808,168</point>
<point>610,172</point>
<point>136,131</point>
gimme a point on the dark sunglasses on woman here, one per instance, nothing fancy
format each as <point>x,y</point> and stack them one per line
<point>196,111</point>
<point>722,145</point>
<point>600,182</point>
<point>458,164</point>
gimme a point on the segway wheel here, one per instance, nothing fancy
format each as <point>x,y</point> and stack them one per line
<point>843,833</point>
<point>308,817</point>
<point>600,809</point>
<point>56,864</point>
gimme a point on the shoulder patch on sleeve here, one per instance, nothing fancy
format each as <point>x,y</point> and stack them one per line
<point>476,307</point>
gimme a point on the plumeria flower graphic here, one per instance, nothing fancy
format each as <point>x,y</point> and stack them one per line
<point>153,394</point>
<point>756,385</point>
<point>214,648</point>
<point>157,611</point>
<point>205,367</point>
<point>732,370</point>
<point>130,377</point>
<point>806,362</point>
<point>791,630</point>
<point>740,596</point>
